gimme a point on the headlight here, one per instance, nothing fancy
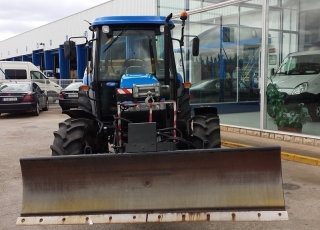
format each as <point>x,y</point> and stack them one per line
<point>162,28</point>
<point>301,88</point>
<point>105,29</point>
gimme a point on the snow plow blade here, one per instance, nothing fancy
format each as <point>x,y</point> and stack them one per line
<point>194,185</point>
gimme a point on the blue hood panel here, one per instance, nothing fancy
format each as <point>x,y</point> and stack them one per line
<point>128,80</point>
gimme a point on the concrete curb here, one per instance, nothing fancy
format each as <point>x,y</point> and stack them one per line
<point>284,155</point>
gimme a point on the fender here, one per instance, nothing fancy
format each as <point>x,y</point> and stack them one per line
<point>79,113</point>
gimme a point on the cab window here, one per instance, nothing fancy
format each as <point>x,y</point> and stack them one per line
<point>35,75</point>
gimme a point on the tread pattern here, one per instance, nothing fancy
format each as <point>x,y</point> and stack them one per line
<point>206,131</point>
<point>184,107</point>
<point>72,137</point>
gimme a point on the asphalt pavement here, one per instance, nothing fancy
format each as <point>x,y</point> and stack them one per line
<point>289,151</point>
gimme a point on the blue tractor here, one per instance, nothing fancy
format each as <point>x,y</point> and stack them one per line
<point>133,152</point>
<point>136,87</point>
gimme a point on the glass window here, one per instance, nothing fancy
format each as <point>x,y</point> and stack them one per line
<point>14,87</point>
<point>290,20</point>
<point>274,19</point>
<point>168,6</point>
<point>300,65</point>
<point>16,73</point>
<point>74,86</point>
<point>35,75</point>
<point>248,14</point>
<point>131,50</point>
<point>298,73</point>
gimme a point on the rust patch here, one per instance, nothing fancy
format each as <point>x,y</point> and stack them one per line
<point>233,216</point>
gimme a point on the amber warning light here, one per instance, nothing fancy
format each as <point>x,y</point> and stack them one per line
<point>187,85</point>
<point>84,87</point>
<point>183,15</point>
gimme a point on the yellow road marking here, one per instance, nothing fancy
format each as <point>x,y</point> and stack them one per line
<point>284,155</point>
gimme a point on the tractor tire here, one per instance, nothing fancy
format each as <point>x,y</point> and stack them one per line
<point>206,131</point>
<point>314,111</point>
<point>73,136</point>
<point>84,102</point>
<point>184,108</point>
<point>184,115</point>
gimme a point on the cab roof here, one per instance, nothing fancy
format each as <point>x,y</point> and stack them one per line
<point>118,20</point>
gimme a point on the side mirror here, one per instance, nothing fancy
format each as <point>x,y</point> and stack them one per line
<point>42,91</point>
<point>272,71</point>
<point>195,46</point>
<point>69,50</point>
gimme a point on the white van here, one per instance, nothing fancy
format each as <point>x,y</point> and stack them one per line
<point>298,78</point>
<point>20,70</point>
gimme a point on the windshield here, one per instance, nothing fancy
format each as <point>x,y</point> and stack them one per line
<point>300,65</point>
<point>130,51</point>
<point>74,86</point>
<point>14,87</point>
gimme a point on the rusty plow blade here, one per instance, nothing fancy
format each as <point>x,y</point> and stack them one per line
<point>243,184</point>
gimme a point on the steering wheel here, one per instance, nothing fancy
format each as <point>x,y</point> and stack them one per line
<point>132,62</point>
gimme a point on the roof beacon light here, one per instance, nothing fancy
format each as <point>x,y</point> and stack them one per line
<point>183,15</point>
<point>105,29</point>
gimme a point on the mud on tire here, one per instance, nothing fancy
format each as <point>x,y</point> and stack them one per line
<point>206,131</point>
<point>73,136</point>
<point>84,102</point>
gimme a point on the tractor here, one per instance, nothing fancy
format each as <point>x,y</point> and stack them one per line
<point>134,151</point>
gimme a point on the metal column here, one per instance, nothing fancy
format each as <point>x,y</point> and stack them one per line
<point>64,64</point>
<point>81,60</point>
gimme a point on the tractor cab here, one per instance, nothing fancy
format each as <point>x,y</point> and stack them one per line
<point>130,56</point>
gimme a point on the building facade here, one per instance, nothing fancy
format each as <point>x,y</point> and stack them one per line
<point>244,46</point>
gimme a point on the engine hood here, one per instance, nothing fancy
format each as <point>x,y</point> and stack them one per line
<point>291,81</point>
<point>128,80</point>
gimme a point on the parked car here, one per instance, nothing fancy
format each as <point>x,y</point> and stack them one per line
<point>211,91</point>
<point>68,97</point>
<point>298,78</point>
<point>22,97</point>
<point>22,70</point>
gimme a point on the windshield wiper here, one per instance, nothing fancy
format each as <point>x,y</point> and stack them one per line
<point>113,41</point>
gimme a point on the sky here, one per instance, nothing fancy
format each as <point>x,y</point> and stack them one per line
<point>19,16</point>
